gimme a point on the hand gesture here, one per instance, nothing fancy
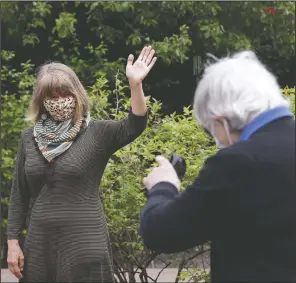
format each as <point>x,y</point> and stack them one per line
<point>15,259</point>
<point>137,71</point>
<point>165,172</point>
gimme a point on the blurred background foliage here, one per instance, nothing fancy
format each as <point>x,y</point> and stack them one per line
<point>95,38</point>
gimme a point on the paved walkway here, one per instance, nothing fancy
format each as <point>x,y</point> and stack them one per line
<point>168,275</point>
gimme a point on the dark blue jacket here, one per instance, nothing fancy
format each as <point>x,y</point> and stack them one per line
<point>243,202</point>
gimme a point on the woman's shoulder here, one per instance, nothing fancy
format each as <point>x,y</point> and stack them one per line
<point>27,132</point>
<point>26,136</point>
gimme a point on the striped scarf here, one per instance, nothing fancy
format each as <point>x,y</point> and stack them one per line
<point>54,138</point>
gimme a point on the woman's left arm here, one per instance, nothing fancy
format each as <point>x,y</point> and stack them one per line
<point>136,73</point>
<point>126,130</point>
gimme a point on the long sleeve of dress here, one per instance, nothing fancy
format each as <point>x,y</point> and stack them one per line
<point>122,132</point>
<point>19,198</point>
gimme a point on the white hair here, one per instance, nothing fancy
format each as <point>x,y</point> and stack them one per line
<point>237,88</point>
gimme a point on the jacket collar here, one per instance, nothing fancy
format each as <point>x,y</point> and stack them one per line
<point>264,119</point>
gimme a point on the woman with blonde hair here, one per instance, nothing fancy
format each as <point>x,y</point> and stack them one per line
<point>59,164</point>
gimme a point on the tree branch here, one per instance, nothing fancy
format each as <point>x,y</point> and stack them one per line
<point>166,266</point>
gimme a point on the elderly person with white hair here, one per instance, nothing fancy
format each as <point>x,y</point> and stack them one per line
<point>244,199</point>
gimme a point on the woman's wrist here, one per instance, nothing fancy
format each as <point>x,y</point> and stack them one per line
<point>12,242</point>
<point>138,101</point>
<point>135,85</point>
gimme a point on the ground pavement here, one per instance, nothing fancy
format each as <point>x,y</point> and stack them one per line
<point>167,275</point>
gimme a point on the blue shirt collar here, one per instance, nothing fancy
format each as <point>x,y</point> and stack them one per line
<point>264,119</point>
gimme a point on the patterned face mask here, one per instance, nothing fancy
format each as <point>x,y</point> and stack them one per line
<point>60,109</point>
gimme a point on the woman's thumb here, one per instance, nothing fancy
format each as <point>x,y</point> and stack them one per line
<point>130,59</point>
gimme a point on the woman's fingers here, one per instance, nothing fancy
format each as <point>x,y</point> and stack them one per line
<point>150,56</point>
<point>15,260</point>
<point>147,52</point>
<point>14,267</point>
<point>146,56</point>
<point>152,63</point>
<point>17,272</point>
<point>142,53</point>
<point>22,261</point>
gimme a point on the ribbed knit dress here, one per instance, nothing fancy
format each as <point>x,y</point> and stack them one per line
<point>67,239</point>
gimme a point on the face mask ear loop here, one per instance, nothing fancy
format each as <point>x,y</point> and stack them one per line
<point>226,128</point>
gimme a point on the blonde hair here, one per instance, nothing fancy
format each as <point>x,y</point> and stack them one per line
<point>56,77</point>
